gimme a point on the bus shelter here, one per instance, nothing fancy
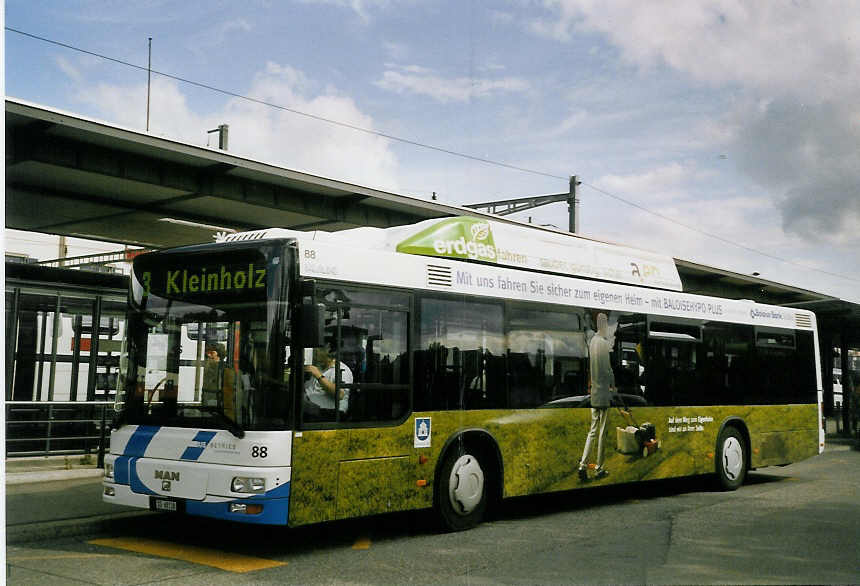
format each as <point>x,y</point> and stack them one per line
<point>63,339</point>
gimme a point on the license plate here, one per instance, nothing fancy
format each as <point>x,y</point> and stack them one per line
<point>166,505</point>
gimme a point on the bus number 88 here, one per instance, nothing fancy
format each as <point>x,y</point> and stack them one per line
<point>259,451</point>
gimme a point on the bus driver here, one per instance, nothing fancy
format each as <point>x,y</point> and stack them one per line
<point>320,388</point>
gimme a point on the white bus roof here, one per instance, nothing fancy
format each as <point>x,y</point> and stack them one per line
<point>404,257</point>
<point>479,239</point>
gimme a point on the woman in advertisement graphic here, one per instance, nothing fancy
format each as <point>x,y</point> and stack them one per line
<point>601,387</point>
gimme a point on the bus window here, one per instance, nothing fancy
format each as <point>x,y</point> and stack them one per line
<point>673,355</point>
<point>629,354</point>
<point>726,368</point>
<point>376,343</point>
<point>781,373</point>
<point>324,375</point>
<point>546,356</point>
<point>365,358</point>
<point>460,362</point>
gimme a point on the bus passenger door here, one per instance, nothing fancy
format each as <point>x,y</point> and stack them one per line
<point>378,473</point>
<point>343,473</point>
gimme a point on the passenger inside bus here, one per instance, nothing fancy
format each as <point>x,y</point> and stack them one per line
<point>218,380</point>
<point>213,375</point>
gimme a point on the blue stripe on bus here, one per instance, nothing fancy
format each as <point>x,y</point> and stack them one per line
<point>134,448</point>
<point>120,469</point>
<point>134,480</point>
<point>193,452</point>
<point>140,439</point>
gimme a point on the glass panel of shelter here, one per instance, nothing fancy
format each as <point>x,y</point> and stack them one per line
<point>52,346</point>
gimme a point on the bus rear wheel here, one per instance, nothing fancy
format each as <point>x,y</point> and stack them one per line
<point>461,494</point>
<point>731,461</point>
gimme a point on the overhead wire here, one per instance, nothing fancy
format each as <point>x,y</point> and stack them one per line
<point>419,144</point>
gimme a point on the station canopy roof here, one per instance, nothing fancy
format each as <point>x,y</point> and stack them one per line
<point>70,175</point>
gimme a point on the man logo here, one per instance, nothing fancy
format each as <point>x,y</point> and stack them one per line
<point>166,477</point>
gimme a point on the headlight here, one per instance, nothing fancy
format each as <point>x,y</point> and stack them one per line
<point>109,470</point>
<point>245,484</point>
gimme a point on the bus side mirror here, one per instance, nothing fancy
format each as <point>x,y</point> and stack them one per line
<point>311,324</point>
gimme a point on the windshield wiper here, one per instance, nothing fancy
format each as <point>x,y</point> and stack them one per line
<point>232,426</point>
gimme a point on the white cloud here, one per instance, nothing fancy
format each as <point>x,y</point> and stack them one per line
<point>395,50</point>
<point>656,186</point>
<point>262,132</point>
<point>419,80</point>
<point>809,49</point>
<point>740,222</point>
<point>235,24</point>
<point>809,154</point>
<point>750,236</point>
<point>793,127</point>
<point>71,70</point>
<point>580,119</point>
<point>216,35</point>
<point>570,122</point>
<point>292,80</point>
<point>170,114</point>
<point>362,8</point>
<point>303,143</point>
<point>501,17</point>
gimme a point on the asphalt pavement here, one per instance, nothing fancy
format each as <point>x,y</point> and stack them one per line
<point>61,497</point>
<point>58,496</point>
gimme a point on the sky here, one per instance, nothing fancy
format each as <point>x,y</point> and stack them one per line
<point>721,132</point>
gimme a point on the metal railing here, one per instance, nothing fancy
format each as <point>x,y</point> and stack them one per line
<point>52,428</point>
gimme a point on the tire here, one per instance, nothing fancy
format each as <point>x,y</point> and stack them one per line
<point>731,460</point>
<point>460,497</point>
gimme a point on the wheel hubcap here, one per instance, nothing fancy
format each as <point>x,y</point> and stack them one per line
<point>466,484</point>
<point>733,458</point>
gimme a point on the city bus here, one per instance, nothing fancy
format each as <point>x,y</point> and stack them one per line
<point>284,377</point>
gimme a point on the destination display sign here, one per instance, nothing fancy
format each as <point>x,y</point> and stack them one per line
<point>227,276</point>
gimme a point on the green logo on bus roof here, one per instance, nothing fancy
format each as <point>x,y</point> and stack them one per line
<point>463,237</point>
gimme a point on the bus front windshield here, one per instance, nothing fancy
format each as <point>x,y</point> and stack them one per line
<point>207,358</point>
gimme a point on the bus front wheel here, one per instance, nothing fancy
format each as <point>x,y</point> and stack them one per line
<point>461,494</point>
<point>731,461</point>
